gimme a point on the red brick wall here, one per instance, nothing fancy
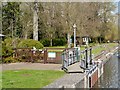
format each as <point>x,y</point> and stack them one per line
<point>94,77</point>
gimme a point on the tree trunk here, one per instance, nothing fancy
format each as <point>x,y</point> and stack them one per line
<point>26,35</point>
<point>68,37</point>
<point>12,27</point>
<point>100,40</point>
<point>51,42</point>
<point>35,22</point>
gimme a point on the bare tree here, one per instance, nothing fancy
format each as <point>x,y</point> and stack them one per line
<point>35,21</point>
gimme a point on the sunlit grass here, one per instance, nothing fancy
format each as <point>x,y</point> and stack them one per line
<point>101,48</point>
<point>29,78</point>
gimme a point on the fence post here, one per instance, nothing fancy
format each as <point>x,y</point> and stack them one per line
<point>32,55</point>
<point>45,56</point>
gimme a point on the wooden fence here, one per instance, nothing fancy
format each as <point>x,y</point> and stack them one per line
<point>30,55</point>
<point>46,55</point>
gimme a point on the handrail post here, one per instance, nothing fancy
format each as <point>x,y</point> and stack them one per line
<point>90,55</point>
<point>86,59</point>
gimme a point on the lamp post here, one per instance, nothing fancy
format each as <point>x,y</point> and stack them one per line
<point>74,27</point>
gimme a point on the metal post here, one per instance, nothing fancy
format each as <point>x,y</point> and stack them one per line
<point>74,37</point>
<point>68,57</point>
<point>86,57</point>
<point>90,55</point>
<point>74,27</point>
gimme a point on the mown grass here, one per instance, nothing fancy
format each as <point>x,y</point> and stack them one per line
<point>98,50</point>
<point>0,80</point>
<point>95,51</point>
<point>107,46</point>
<point>29,78</point>
<point>56,47</point>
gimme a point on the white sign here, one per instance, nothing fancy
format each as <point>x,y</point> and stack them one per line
<point>51,54</point>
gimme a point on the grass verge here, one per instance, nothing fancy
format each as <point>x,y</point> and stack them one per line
<point>29,78</point>
<point>99,49</point>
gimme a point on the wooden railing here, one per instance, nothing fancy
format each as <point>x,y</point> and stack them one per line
<point>30,55</point>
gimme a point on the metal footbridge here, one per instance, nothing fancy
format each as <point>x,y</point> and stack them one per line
<point>76,61</point>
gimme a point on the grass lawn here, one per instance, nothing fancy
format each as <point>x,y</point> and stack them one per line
<point>95,51</point>
<point>0,80</point>
<point>101,48</point>
<point>98,50</point>
<point>29,78</point>
<point>56,47</point>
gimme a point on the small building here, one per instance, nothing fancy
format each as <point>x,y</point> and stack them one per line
<point>77,41</point>
<point>1,35</point>
<point>85,40</point>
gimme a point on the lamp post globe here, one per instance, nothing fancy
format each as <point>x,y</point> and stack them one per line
<point>74,26</point>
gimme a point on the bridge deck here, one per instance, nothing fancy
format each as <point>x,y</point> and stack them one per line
<point>75,68</point>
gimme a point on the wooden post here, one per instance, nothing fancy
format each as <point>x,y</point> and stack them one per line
<point>31,55</point>
<point>45,56</point>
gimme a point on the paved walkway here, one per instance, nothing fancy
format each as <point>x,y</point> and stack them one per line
<point>74,68</point>
<point>32,66</point>
<point>68,81</point>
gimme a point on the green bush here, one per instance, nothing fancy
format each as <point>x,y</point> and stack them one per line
<point>30,43</point>
<point>7,46</point>
<point>55,42</point>
<point>59,42</point>
<point>9,60</point>
<point>45,42</point>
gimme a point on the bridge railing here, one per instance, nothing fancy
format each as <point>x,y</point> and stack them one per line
<point>86,58</point>
<point>70,56</point>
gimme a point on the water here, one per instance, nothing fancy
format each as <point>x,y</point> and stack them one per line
<point>111,75</point>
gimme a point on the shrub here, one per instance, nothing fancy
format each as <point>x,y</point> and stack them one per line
<point>8,45</point>
<point>45,42</point>
<point>30,43</point>
<point>55,42</point>
<point>59,42</point>
<point>9,60</point>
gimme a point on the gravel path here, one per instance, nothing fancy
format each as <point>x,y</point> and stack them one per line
<point>32,66</point>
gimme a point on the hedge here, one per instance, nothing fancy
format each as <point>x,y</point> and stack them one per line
<point>30,43</point>
<point>55,42</point>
